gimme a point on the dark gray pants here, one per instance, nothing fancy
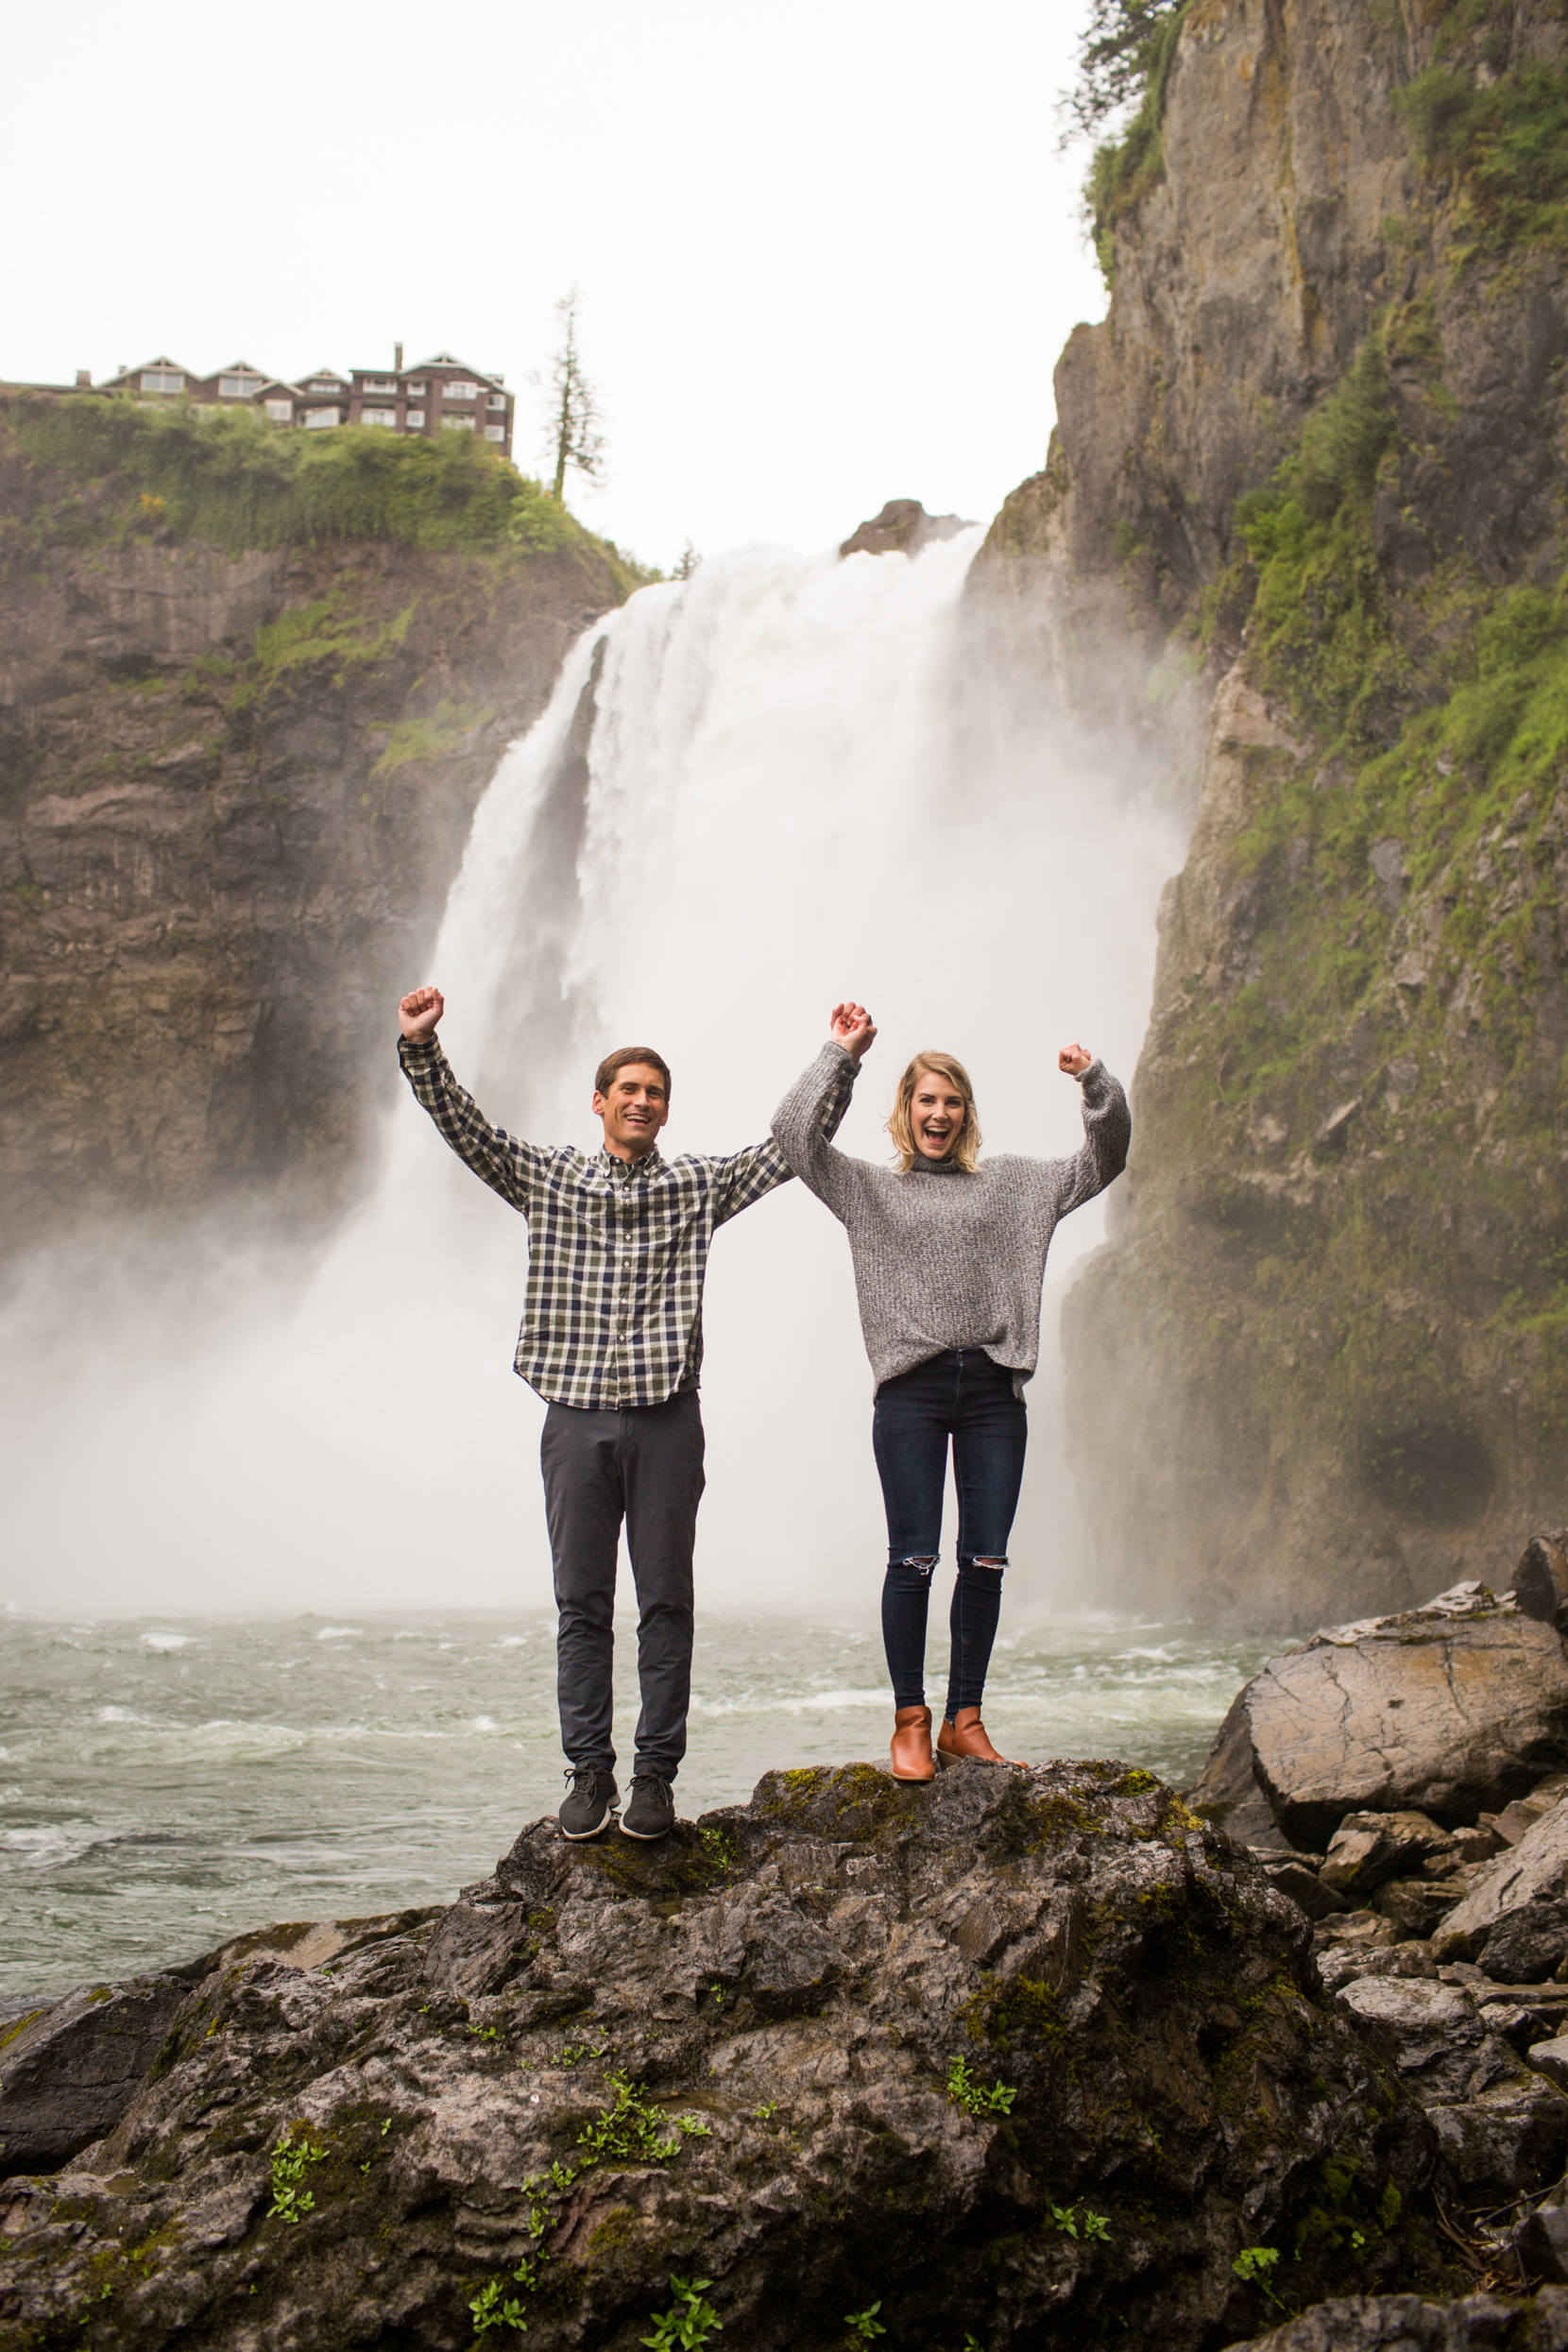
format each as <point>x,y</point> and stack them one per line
<point>643,1463</point>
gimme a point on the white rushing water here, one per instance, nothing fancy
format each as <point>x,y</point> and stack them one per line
<point>774,808</point>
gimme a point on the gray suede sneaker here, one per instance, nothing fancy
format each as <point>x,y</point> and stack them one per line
<point>651,1808</point>
<point>590,1802</point>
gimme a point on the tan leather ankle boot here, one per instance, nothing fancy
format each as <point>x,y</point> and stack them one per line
<point>911,1744</point>
<point>967,1735</point>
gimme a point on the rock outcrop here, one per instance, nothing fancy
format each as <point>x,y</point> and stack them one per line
<point>1473,2323</point>
<point>234,788</point>
<point>1309,475</point>
<point>902,528</point>
<point>1452,1709</point>
<point>1028,2056</point>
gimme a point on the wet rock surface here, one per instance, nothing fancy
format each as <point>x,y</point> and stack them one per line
<point>1028,2055</point>
<point>1476,2323</point>
<point>1448,1709</point>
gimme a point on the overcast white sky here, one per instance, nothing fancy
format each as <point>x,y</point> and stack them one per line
<point>827,252</point>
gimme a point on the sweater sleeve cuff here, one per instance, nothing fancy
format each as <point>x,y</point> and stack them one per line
<point>1096,1079</point>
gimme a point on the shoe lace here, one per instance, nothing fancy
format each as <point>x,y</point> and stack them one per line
<point>649,1780</point>
<point>575,1775</point>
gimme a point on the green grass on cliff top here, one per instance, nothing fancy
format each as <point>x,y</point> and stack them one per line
<point>228,476</point>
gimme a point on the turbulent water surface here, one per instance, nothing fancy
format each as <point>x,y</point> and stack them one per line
<point>166,1783</point>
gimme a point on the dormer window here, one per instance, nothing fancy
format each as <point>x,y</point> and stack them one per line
<point>239,388</point>
<point>327,384</point>
<point>163,380</point>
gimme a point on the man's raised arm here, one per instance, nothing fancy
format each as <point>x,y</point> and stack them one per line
<point>503,1162</point>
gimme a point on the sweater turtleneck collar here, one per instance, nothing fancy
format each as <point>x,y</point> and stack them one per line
<point>937,1167</point>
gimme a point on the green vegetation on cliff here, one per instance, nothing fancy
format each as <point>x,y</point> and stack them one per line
<point>1403,880</point>
<point>227,477</point>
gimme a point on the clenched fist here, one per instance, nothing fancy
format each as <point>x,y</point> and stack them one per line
<point>1075,1059</point>
<point>852,1027</point>
<point>418,1013</point>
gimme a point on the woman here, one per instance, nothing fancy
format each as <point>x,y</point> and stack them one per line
<point>950,1254</point>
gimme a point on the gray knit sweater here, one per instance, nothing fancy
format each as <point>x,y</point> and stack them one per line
<point>944,1259</point>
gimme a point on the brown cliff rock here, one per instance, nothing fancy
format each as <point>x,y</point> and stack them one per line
<point>233,792</point>
<point>1318,1353</point>
<point>902,528</point>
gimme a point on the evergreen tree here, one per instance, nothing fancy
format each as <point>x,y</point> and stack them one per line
<point>575,414</point>
<point>1114,58</point>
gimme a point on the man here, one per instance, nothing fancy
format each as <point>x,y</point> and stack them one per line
<point>612,1339</point>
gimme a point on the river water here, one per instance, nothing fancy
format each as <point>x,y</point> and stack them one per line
<point>165,1783</point>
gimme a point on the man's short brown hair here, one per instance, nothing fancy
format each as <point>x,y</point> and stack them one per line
<point>628,1054</point>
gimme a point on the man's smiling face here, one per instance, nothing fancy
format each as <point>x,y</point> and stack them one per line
<point>634,1110</point>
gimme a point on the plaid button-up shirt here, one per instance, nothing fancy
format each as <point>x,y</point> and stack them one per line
<point>617,1251</point>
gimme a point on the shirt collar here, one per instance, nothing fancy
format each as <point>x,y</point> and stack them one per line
<point>620,1172</point>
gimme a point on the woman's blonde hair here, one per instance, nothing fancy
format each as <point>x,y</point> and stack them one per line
<point>966,1150</point>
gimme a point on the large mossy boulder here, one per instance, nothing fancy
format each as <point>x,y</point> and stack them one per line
<point>1030,2056</point>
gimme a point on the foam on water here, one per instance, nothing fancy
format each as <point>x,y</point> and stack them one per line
<point>159,1801</point>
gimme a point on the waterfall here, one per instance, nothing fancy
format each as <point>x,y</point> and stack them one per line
<point>750,796</point>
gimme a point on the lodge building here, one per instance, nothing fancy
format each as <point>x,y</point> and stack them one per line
<point>441,395</point>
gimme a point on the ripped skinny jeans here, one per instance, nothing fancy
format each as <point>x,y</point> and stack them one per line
<point>960,1395</point>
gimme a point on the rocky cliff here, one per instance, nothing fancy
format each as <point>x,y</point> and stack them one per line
<point>235,782</point>
<point>1309,480</point>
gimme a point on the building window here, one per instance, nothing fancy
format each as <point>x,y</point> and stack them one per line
<point>460,391</point>
<point>384,388</point>
<point>415,391</point>
<point>495,433</point>
<point>163,380</point>
<point>457,424</point>
<point>281,412</point>
<point>415,421</point>
<point>378,416</point>
<point>327,384</point>
<point>497,399</point>
<point>316,418</point>
<point>241,388</point>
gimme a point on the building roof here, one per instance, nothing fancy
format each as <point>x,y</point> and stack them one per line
<point>449,359</point>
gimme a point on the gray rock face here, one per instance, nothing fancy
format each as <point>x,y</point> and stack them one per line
<point>1476,2323</point>
<point>68,2074</point>
<point>1446,1710</point>
<point>852,2043</point>
<point>1527,1945</point>
<point>1503,2130</point>
<point>1535,1871</point>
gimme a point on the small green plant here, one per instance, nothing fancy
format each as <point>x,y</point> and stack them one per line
<point>1078,2221</point>
<point>1253,2266</point>
<point>690,2321</point>
<point>629,2130</point>
<point>717,1992</point>
<point>387,2127</point>
<point>766,2113</point>
<point>718,1849</point>
<point>693,2126</point>
<point>975,2097</point>
<point>290,2202</point>
<point>865,2325</point>
<point>492,2307</point>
